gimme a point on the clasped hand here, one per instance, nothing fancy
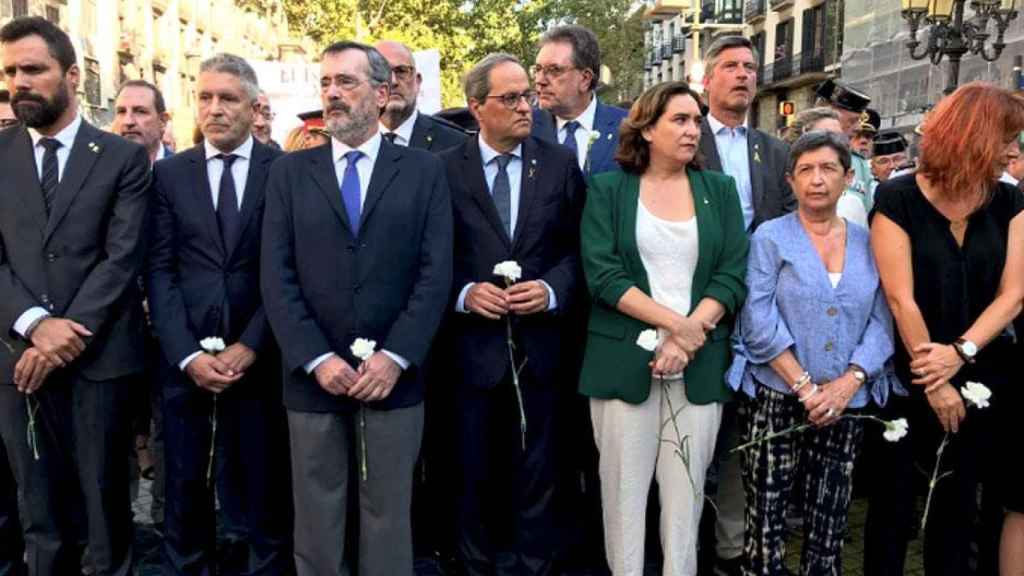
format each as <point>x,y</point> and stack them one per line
<point>374,380</point>
<point>522,298</point>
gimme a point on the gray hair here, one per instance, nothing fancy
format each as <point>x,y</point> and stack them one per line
<point>379,71</point>
<point>722,44</point>
<point>817,139</point>
<point>805,121</point>
<point>477,83</point>
<point>236,66</point>
<point>586,53</point>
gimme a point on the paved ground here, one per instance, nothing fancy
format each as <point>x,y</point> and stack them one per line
<point>147,545</point>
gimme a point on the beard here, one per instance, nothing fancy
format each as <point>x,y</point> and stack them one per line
<point>356,123</point>
<point>38,112</point>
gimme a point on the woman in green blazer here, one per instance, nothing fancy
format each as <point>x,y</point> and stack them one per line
<point>664,248</point>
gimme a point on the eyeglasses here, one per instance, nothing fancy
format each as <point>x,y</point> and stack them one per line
<point>346,83</point>
<point>8,122</point>
<point>403,73</point>
<point>551,70</point>
<point>511,99</point>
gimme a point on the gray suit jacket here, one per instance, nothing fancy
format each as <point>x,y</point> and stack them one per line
<point>768,158</point>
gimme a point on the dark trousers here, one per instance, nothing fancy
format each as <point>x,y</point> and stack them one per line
<point>505,508</point>
<point>252,441</point>
<point>891,515</point>
<point>12,547</point>
<point>80,481</point>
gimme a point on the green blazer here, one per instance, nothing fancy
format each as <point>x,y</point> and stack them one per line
<point>614,366</point>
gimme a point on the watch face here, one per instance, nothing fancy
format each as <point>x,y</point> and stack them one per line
<point>969,348</point>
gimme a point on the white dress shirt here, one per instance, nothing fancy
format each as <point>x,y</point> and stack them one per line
<point>515,179</point>
<point>364,166</point>
<point>66,137</point>
<point>735,156</point>
<point>239,169</point>
<point>586,120</point>
<point>403,134</point>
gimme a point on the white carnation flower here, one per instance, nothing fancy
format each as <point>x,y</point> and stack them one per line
<point>648,339</point>
<point>212,345</point>
<point>363,348</point>
<point>509,270</point>
<point>896,429</point>
<point>976,393</point>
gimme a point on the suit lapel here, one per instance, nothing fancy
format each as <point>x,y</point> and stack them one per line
<point>87,148</point>
<point>527,188</point>
<point>709,148</point>
<point>384,171</point>
<point>602,148</point>
<point>28,191</point>
<point>326,179</point>
<point>477,183</point>
<point>204,197</point>
<point>252,197</point>
<point>547,129</point>
<point>755,150</point>
<point>421,136</point>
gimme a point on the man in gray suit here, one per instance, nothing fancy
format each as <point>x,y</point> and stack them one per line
<point>757,162</point>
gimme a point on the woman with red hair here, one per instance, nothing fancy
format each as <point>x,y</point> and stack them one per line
<point>949,243</point>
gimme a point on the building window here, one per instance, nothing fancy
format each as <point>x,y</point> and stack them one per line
<point>19,8</point>
<point>812,45</point>
<point>53,14</point>
<point>5,8</point>
<point>93,94</point>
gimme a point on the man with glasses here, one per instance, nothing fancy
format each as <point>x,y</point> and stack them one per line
<point>263,121</point>
<point>401,122</point>
<point>515,197</point>
<point>567,72</point>
<point>889,152</point>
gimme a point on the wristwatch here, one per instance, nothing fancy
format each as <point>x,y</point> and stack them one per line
<point>966,349</point>
<point>858,374</point>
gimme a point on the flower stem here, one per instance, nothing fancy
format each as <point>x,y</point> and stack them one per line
<point>515,380</point>
<point>213,442</point>
<point>771,436</point>
<point>933,481</point>
<point>364,469</point>
<point>33,442</point>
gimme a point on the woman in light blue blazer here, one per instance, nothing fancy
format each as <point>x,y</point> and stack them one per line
<point>815,338</point>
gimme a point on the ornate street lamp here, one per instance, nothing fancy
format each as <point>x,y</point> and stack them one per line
<point>951,36</point>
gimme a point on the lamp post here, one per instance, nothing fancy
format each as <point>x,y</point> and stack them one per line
<point>952,36</point>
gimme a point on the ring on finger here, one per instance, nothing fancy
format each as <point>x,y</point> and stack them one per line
<point>830,413</point>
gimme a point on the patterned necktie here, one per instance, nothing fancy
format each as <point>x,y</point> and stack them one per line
<point>570,137</point>
<point>390,136</point>
<point>501,192</point>
<point>351,190</point>
<point>227,202</point>
<point>50,176</point>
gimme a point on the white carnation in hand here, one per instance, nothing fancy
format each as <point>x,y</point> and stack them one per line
<point>895,429</point>
<point>509,270</point>
<point>212,345</point>
<point>648,339</point>
<point>976,393</point>
<point>363,348</point>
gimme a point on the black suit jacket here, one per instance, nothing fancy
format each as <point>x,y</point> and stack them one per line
<point>429,133</point>
<point>323,287</point>
<point>197,286</point>
<point>82,263</point>
<point>768,158</point>
<point>546,246</point>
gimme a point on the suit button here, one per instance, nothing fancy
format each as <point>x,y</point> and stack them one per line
<point>51,257</point>
<point>50,306</point>
<point>832,311</point>
<point>828,347</point>
<point>44,298</point>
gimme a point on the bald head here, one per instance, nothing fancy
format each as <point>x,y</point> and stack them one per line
<point>405,83</point>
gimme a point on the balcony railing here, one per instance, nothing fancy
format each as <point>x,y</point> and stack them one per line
<point>812,61</point>
<point>778,5</point>
<point>679,43</point>
<point>754,9</point>
<point>666,50</point>
<point>782,69</point>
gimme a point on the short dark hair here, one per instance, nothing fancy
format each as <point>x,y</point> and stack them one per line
<point>817,139</point>
<point>158,97</point>
<point>57,41</point>
<point>586,52</point>
<point>5,97</point>
<point>722,44</point>
<point>379,71</point>
<point>634,153</point>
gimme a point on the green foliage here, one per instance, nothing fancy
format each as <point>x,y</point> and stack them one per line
<point>464,31</point>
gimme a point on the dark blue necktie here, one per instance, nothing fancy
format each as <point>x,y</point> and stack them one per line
<point>570,137</point>
<point>227,202</point>
<point>501,192</point>
<point>350,190</point>
<point>50,176</point>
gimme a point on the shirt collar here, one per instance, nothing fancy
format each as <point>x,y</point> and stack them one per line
<point>243,151</point>
<point>586,119</point>
<point>404,129</point>
<point>66,137</point>
<point>487,153</point>
<point>370,148</point>
<point>717,126</point>
<point>1009,179</point>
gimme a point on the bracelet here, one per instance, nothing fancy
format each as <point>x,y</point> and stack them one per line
<point>801,381</point>
<point>805,397</point>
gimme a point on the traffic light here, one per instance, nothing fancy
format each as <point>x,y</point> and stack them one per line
<point>787,108</point>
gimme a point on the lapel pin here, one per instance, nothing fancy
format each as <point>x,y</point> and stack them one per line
<point>533,167</point>
<point>94,147</point>
<point>757,154</point>
<point>430,139</point>
<point>706,201</point>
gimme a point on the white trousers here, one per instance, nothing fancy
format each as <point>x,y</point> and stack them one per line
<point>638,442</point>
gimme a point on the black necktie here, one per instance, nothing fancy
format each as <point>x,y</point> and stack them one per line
<point>570,137</point>
<point>49,180</point>
<point>227,202</point>
<point>390,136</point>
<point>501,192</point>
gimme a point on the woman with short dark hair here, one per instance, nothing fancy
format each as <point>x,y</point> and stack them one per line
<point>663,248</point>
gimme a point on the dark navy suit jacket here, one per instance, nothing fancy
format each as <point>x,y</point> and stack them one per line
<point>606,121</point>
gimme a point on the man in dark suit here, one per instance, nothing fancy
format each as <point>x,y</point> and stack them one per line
<point>357,243</point>
<point>515,197</point>
<point>757,162</point>
<point>204,263</point>
<point>401,122</point>
<point>70,304</point>
<point>567,72</point>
